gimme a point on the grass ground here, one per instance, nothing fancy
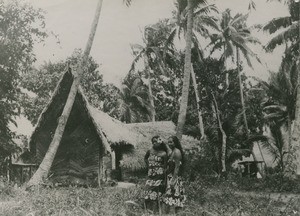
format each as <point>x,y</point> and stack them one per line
<point>203,199</point>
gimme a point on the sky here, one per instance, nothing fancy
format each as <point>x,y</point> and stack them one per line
<point>119,26</point>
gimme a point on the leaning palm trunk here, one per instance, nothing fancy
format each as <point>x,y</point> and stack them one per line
<point>46,164</point>
<point>201,126</point>
<point>224,136</point>
<point>147,68</point>
<point>187,72</point>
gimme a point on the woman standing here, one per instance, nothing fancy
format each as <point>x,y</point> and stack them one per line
<point>156,161</point>
<point>174,196</point>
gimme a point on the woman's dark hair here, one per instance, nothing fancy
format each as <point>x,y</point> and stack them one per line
<point>177,145</point>
<point>162,145</point>
<point>155,137</point>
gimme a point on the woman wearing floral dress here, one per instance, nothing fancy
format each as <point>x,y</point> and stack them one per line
<point>174,196</point>
<point>156,160</point>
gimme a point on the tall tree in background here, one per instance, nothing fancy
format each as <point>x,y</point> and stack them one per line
<point>46,164</point>
<point>43,80</point>
<point>296,131</point>
<point>21,27</point>
<point>154,38</point>
<point>187,69</point>
<point>290,36</point>
<point>133,103</point>
<point>203,22</point>
<point>233,39</point>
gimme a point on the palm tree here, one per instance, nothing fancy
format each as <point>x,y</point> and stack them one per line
<point>281,104</point>
<point>290,36</point>
<point>187,71</point>
<point>275,145</point>
<point>202,23</point>
<point>46,164</point>
<point>233,39</point>
<point>133,103</point>
<point>289,26</point>
<point>191,15</point>
<point>152,54</point>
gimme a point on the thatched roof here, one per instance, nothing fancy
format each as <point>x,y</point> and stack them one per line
<point>146,131</point>
<point>114,130</point>
<point>111,131</point>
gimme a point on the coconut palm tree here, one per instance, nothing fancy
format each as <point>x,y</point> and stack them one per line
<point>151,53</point>
<point>203,22</point>
<point>282,99</point>
<point>133,103</point>
<point>191,15</point>
<point>44,168</point>
<point>289,26</point>
<point>187,71</point>
<point>290,36</point>
<point>233,39</point>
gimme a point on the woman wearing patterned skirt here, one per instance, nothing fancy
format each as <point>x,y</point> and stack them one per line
<point>174,196</point>
<point>156,160</point>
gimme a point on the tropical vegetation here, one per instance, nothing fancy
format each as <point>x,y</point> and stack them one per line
<point>225,108</point>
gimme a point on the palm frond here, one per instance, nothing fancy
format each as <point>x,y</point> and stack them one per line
<point>169,42</point>
<point>238,151</point>
<point>181,6</point>
<point>206,10</point>
<point>127,2</point>
<point>135,60</point>
<point>277,23</point>
<point>206,21</point>
<point>251,5</point>
<point>288,35</point>
<point>238,19</point>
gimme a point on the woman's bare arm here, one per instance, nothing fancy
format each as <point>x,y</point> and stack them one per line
<point>177,157</point>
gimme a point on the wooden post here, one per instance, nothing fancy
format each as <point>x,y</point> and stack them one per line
<point>100,167</point>
<point>113,160</point>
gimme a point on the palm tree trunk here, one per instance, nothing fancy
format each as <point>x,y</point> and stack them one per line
<point>296,132</point>
<point>243,106</point>
<point>243,100</point>
<point>224,68</point>
<point>147,68</point>
<point>201,126</point>
<point>187,72</point>
<point>289,159</point>
<point>46,164</point>
<point>241,91</point>
<point>224,136</point>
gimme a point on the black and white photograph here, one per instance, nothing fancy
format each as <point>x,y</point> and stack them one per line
<point>150,107</point>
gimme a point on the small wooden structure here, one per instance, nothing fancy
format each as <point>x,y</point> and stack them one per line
<point>21,172</point>
<point>251,168</point>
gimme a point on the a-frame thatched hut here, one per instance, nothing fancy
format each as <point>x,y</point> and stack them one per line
<point>93,143</point>
<point>85,151</point>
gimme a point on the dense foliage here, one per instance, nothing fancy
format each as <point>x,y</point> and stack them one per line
<point>21,26</point>
<point>237,110</point>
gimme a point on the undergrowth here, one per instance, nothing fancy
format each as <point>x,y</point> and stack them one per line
<point>213,197</point>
